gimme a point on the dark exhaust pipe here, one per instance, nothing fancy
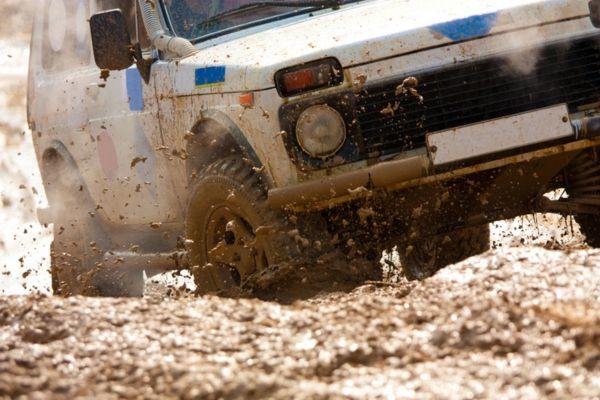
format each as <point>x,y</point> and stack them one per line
<point>586,128</point>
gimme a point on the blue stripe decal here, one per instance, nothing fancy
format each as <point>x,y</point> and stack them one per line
<point>209,76</point>
<point>466,28</point>
<point>134,89</point>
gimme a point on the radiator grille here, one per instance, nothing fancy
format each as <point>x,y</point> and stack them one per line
<point>473,92</point>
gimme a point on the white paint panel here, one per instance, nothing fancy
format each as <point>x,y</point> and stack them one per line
<point>499,135</point>
<point>369,33</point>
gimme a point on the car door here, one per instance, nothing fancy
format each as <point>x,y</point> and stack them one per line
<point>123,130</point>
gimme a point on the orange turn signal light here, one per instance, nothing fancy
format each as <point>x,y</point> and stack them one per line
<point>247,99</point>
<point>300,80</point>
<point>310,76</point>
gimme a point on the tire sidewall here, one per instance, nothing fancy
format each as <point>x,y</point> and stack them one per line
<point>589,225</point>
<point>209,195</point>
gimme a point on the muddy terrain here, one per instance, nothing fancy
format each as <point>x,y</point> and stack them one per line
<point>521,321</point>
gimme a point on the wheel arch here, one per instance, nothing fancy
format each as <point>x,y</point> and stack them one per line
<point>215,136</point>
<point>60,171</point>
<point>57,150</point>
<point>54,157</point>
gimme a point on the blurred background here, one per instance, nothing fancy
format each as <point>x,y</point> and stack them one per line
<point>24,244</point>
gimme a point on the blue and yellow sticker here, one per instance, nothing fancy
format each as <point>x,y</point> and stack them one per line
<point>209,76</point>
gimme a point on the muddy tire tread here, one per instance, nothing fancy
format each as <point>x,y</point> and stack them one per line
<point>236,172</point>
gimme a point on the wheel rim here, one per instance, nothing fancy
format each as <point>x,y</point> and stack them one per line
<point>232,247</point>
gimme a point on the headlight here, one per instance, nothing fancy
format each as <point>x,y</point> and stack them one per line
<point>320,131</point>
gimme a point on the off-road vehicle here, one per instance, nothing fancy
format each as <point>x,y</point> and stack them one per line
<point>227,136</point>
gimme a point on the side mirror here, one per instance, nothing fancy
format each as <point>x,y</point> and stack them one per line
<point>111,41</point>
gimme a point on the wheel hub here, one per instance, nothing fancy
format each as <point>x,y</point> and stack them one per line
<point>234,250</point>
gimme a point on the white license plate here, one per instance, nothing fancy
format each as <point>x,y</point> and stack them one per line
<point>499,135</point>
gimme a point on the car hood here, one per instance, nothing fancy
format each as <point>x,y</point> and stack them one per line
<point>360,33</point>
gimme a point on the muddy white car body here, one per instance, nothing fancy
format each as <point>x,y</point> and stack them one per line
<point>452,114</point>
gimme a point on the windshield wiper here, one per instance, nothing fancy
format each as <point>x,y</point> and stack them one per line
<point>278,3</point>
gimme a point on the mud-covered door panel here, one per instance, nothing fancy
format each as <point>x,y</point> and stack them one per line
<point>105,121</point>
<point>175,124</point>
<point>125,131</point>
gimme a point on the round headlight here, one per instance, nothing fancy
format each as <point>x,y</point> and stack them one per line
<point>320,131</point>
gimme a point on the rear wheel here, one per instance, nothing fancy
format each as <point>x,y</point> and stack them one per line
<point>76,232</point>
<point>73,255</point>
<point>589,225</point>
<point>423,259</point>
<point>232,230</point>
<point>583,186</point>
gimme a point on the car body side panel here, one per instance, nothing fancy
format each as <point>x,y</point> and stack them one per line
<point>109,124</point>
<point>259,124</point>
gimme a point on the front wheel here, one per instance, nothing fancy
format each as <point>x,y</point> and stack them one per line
<point>231,230</point>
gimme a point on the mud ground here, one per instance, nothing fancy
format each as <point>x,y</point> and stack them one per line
<point>518,322</point>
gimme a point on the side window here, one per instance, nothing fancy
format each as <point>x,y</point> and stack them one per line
<point>66,35</point>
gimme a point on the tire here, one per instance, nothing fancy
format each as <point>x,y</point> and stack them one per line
<point>425,258</point>
<point>80,241</point>
<point>73,251</point>
<point>54,279</point>
<point>231,231</point>
<point>589,225</point>
<point>582,184</point>
<point>73,257</point>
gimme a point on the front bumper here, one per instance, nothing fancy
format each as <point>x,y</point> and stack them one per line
<point>531,136</point>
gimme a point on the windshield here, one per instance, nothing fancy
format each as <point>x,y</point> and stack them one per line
<point>192,19</point>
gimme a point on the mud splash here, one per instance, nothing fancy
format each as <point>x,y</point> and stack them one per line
<point>300,280</point>
<point>516,323</point>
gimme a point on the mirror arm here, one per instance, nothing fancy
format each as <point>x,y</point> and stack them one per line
<point>143,64</point>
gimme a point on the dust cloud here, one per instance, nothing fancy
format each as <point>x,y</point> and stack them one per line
<point>521,62</point>
<point>518,62</point>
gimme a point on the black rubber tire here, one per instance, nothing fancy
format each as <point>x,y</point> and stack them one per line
<point>233,232</point>
<point>55,281</point>
<point>73,252</point>
<point>589,224</point>
<point>582,180</point>
<point>425,258</point>
<point>80,241</point>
